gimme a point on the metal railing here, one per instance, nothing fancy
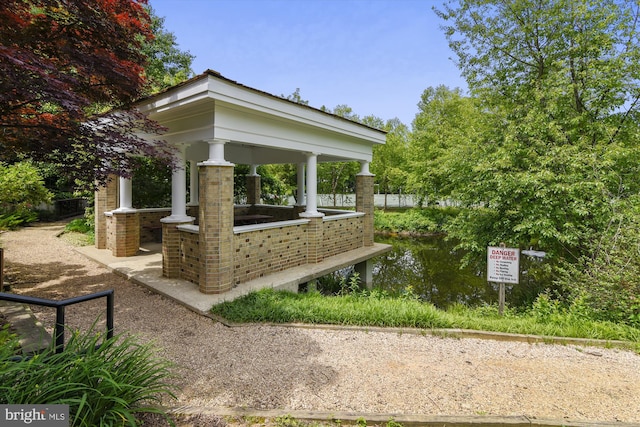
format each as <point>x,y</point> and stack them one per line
<point>60,308</point>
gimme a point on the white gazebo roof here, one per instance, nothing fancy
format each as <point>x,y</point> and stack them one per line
<point>257,127</point>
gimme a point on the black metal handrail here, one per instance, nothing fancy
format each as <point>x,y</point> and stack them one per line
<point>60,307</point>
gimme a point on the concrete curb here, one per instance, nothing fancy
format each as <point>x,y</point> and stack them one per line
<point>407,420</point>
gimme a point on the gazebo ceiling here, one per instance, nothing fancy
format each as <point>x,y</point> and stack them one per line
<point>258,128</point>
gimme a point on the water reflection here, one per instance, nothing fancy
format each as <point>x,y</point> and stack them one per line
<point>432,268</point>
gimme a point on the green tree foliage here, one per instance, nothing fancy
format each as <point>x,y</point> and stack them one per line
<point>556,161</point>
<point>166,64</point>
<point>274,183</point>
<point>151,184</point>
<point>443,144</point>
<point>389,163</point>
<point>21,191</point>
<point>296,97</point>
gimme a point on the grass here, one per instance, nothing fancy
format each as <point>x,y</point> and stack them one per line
<point>377,309</point>
<point>104,381</point>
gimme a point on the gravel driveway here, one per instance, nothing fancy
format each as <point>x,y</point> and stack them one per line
<point>285,368</point>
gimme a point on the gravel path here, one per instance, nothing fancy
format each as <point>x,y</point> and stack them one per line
<point>266,367</point>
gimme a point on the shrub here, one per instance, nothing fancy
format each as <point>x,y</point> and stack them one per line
<point>104,381</point>
<point>21,187</point>
<point>416,221</point>
<point>78,225</point>
<point>606,280</point>
<point>13,220</point>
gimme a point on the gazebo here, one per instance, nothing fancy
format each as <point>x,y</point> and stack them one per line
<point>216,123</point>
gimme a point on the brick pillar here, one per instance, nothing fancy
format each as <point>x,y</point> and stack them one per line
<point>171,248</point>
<point>216,227</point>
<point>253,189</point>
<point>364,203</point>
<point>106,200</point>
<point>126,233</point>
<point>315,242</point>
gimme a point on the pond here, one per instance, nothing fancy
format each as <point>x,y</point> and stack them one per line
<point>431,266</point>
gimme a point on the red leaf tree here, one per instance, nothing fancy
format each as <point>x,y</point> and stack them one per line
<point>61,63</point>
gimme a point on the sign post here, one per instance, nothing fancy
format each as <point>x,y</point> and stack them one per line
<point>503,266</point>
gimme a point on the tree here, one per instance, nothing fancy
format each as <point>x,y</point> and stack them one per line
<point>296,97</point>
<point>166,64</point>
<point>443,140</point>
<point>61,63</point>
<point>390,160</point>
<point>558,84</point>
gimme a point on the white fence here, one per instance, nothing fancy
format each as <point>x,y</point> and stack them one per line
<point>349,200</point>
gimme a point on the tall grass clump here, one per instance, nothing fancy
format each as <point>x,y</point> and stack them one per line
<point>360,309</point>
<point>105,381</point>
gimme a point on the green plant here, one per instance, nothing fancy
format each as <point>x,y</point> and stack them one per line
<point>393,423</point>
<point>374,308</point>
<point>8,341</point>
<point>545,308</point>
<point>105,381</point>
<point>78,225</point>
<point>13,220</point>
<point>286,421</point>
<point>350,284</point>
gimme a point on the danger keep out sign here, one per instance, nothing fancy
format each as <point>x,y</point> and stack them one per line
<point>503,265</point>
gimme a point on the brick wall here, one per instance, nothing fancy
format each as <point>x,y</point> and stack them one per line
<point>342,235</point>
<point>261,252</point>
<point>257,253</point>
<point>150,225</point>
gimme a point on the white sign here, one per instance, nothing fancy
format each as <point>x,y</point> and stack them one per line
<point>503,265</point>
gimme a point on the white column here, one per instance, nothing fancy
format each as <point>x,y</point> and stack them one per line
<point>301,200</point>
<point>125,194</point>
<point>216,153</point>
<point>179,191</point>
<point>364,169</point>
<point>312,187</point>
<point>193,183</point>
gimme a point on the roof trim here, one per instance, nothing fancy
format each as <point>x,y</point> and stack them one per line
<point>217,75</point>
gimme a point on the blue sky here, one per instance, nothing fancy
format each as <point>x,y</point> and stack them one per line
<point>376,56</point>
